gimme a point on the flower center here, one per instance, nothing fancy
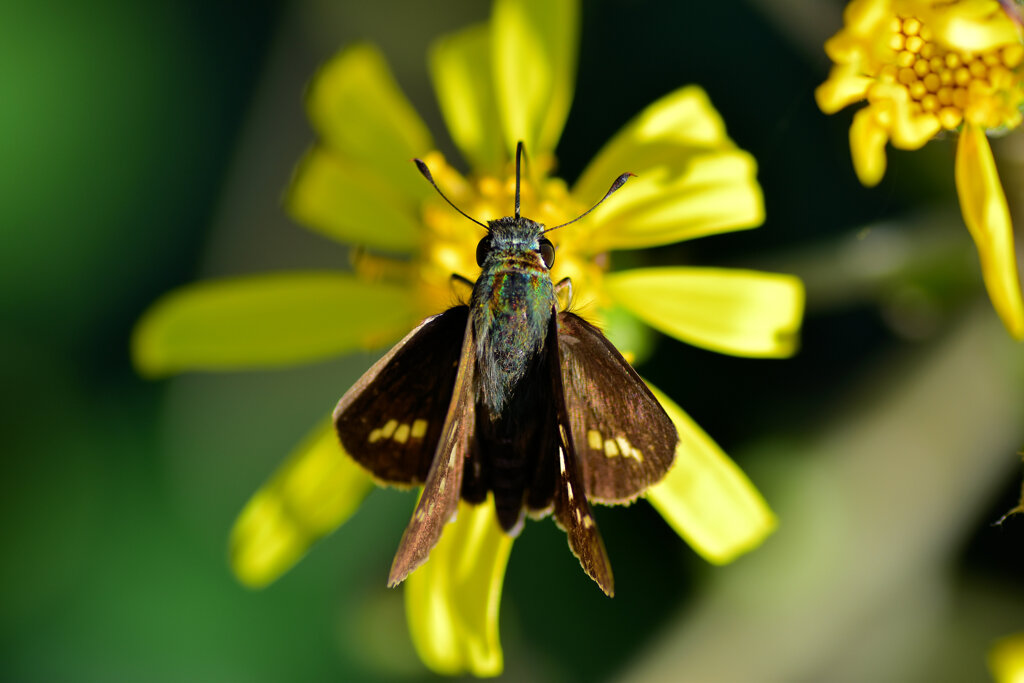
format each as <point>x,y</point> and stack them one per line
<point>450,241</point>
<point>954,85</point>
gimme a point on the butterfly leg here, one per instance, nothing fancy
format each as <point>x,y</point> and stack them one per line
<point>459,281</point>
<point>563,290</point>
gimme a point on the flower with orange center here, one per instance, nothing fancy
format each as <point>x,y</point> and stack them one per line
<point>505,81</point>
<point>925,67</point>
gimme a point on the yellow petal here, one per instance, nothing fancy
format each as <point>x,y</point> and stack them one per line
<point>843,87</point>
<point>268,320</point>
<point>863,21</point>
<point>867,146</point>
<point>452,601</point>
<point>988,219</point>
<point>863,16</point>
<point>706,498</point>
<point>745,313</point>
<point>316,489</point>
<point>684,121</point>
<point>970,25</point>
<point>1006,660</point>
<point>910,130</point>
<point>534,60</point>
<point>460,65</point>
<point>691,180</point>
<point>353,204</point>
<point>359,111</point>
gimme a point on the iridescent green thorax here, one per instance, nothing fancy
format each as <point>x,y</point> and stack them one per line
<point>512,304</point>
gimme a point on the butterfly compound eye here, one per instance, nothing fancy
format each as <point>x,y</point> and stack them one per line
<point>483,248</point>
<point>547,252</point>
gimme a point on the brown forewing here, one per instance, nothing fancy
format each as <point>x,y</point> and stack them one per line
<point>440,498</point>
<point>623,439</point>
<point>391,420</point>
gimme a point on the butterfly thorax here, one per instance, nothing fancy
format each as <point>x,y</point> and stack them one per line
<point>511,307</point>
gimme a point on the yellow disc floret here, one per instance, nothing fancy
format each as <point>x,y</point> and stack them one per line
<point>951,85</point>
<point>923,66</point>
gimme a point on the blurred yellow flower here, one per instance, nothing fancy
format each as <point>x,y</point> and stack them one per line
<point>1006,659</point>
<point>509,80</point>
<point>928,66</point>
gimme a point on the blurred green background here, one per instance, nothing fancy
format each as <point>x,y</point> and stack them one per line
<point>146,145</point>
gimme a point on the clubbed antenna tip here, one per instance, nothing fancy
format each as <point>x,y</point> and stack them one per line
<point>426,174</point>
<point>619,182</point>
<point>425,170</point>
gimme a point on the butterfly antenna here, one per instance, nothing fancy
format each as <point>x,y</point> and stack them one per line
<point>426,174</point>
<point>619,182</point>
<point>519,153</point>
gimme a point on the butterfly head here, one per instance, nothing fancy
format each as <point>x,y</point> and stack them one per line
<point>515,236</point>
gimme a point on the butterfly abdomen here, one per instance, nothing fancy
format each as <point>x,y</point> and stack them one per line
<point>506,466</point>
<point>513,444</point>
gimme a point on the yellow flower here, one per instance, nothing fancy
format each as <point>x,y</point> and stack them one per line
<point>928,66</point>
<point>508,80</point>
<point>1006,659</point>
